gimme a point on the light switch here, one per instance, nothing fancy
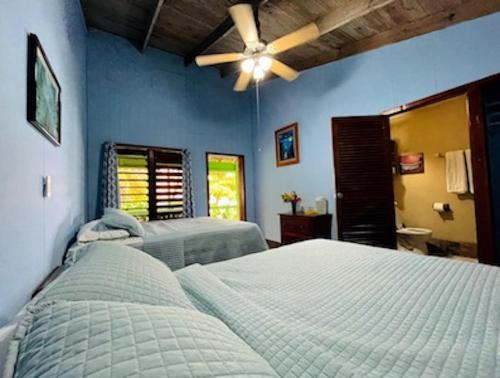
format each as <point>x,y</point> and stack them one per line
<point>47,186</point>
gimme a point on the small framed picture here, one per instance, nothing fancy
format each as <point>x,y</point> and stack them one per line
<point>287,145</point>
<point>411,163</point>
<point>44,93</point>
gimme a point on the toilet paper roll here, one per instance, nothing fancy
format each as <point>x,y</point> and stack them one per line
<point>441,207</point>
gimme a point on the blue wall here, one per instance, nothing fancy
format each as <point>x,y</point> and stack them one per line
<point>152,99</point>
<point>34,231</point>
<point>365,84</point>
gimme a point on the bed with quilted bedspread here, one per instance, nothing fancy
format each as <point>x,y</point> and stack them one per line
<point>203,240</point>
<point>118,312</point>
<point>332,309</point>
<point>313,309</point>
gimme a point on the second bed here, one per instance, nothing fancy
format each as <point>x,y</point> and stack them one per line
<point>203,240</point>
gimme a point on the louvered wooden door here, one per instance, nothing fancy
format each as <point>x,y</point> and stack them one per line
<point>363,177</point>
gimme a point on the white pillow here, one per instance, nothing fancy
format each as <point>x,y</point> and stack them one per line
<point>91,232</point>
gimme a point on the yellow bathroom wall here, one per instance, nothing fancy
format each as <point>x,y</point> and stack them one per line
<point>433,129</point>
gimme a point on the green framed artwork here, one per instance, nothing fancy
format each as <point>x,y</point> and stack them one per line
<point>44,93</point>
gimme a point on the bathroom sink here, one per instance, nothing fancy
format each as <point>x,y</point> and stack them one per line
<point>414,231</point>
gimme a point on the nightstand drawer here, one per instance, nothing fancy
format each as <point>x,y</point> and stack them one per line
<point>296,225</point>
<point>300,227</point>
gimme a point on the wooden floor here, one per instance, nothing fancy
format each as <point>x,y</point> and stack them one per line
<point>451,257</point>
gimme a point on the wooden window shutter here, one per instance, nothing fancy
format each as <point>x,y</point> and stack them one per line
<point>167,184</point>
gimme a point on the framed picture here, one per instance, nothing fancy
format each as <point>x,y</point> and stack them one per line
<point>44,93</point>
<point>411,163</point>
<point>287,145</point>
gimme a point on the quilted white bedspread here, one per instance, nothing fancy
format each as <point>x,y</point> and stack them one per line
<point>95,339</point>
<point>332,309</point>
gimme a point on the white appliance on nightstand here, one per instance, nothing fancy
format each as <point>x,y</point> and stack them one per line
<point>321,205</point>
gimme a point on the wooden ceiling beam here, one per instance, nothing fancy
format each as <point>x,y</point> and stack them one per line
<point>152,23</point>
<point>217,34</point>
<point>468,10</point>
<point>348,12</point>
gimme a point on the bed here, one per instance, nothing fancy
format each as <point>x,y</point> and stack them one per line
<point>203,240</point>
<point>119,312</point>
<point>333,309</point>
<point>312,309</point>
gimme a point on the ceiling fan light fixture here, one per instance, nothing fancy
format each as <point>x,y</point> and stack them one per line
<point>258,56</point>
<point>258,73</point>
<point>265,62</point>
<point>248,65</point>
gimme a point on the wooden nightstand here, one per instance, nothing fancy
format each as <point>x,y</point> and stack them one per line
<point>300,227</point>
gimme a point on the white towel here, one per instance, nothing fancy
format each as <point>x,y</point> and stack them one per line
<point>456,172</point>
<point>470,178</point>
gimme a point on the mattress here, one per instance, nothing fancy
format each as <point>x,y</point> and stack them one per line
<point>332,309</point>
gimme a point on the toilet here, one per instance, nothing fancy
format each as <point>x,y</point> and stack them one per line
<point>413,239</point>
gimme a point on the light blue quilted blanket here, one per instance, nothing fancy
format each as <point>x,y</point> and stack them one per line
<point>110,339</point>
<point>112,272</point>
<point>203,240</point>
<point>332,309</point>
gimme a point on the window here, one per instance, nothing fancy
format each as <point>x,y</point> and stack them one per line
<point>226,186</point>
<point>168,185</point>
<point>133,179</point>
<point>151,182</point>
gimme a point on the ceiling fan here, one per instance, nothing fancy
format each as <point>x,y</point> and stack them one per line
<point>257,58</point>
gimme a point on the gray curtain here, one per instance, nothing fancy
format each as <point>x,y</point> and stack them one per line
<point>110,197</point>
<point>188,185</point>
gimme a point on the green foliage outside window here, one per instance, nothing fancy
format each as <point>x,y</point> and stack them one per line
<point>134,186</point>
<point>224,186</point>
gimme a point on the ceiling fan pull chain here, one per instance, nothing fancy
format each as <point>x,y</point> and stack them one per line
<point>257,104</point>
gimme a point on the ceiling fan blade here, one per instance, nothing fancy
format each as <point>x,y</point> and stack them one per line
<point>242,15</point>
<point>303,35</point>
<point>208,60</point>
<point>284,71</point>
<point>242,82</point>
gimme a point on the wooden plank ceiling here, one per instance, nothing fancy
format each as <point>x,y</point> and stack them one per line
<point>181,26</point>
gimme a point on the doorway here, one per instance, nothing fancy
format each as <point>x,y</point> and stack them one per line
<point>433,180</point>
<point>226,186</point>
<point>363,209</point>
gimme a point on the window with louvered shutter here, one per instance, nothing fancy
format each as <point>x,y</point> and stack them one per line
<point>133,178</point>
<point>169,191</point>
<point>151,182</point>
